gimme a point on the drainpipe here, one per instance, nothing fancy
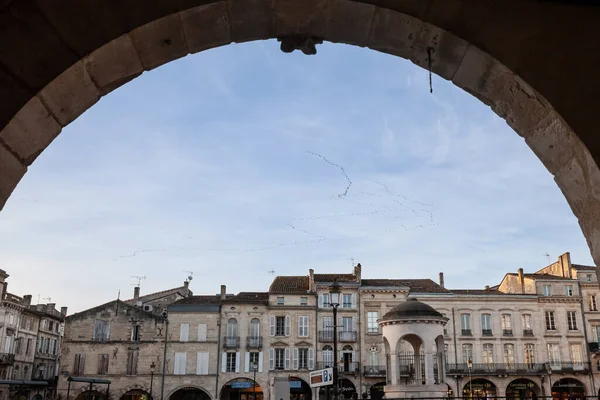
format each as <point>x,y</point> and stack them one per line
<point>164,369</point>
<point>360,352</point>
<point>458,391</point>
<point>585,335</point>
<point>219,356</point>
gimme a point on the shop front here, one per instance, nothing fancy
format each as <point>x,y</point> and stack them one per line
<point>241,389</point>
<point>479,389</point>
<point>346,387</point>
<point>568,389</point>
<point>189,393</point>
<point>135,394</point>
<point>299,389</point>
<point>376,391</point>
<point>522,389</point>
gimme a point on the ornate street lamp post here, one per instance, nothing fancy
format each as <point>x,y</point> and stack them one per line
<point>254,368</point>
<point>469,367</point>
<point>152,366</point>
<point>334,301</point>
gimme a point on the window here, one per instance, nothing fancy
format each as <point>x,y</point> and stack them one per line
<point>572,320</point>
<point>202,363</point>
<point>279,358</point>
<point>588,277</point>
<point>547,290</point>
<point>231,362</point>
<point>135,333</point>
<point>569,290</point>
<point>467,352</point>
<point>102,364</point>
<point>303,301</point>
<point>372,325</point>
<point>255,328</point>
<point>202,331</point>
<point>326,303</point>
<point>526,322</point>
<point>486,324</point>
<point>132,362</point>
<point>303,358</point>
<point>347,332</point>
<point>280,301</point>
<point>31,323</point>
<point>79,364</point>
<point>232,326</point>
<point>554,354</point>
<point>101,330</point>
<point>576,356</point>
<point>550,324</point>
<point>279,326</point>
<point>254,360</point>
<point>506,324</point>
<point>465,324</point>
<point>54,347</point>
<point>327,356</point>
<point>509,354</point>
<point>488,353</point>
<point>51,325</point>
<point>184,332</point>
<point>592,302</point>
<point>596,333</point>
<point>303,326</point>
<point>530,355</point>
<point>179,367</point>
<point>28,347</point>
<point>18,349</point>
<point>346,300</point>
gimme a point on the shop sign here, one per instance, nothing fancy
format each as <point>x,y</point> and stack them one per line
<point>295,385</point>
<point>241,385</point>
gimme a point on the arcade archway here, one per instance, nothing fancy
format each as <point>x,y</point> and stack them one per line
<point>136,394</point>
<point>241,389</point>
<point>376,391</point>
<point>93,395</point>
<point>522,389</point>
<point>189,393</point>
<point>299,389</point>
<point>568,389</point>
<point>479,389</point>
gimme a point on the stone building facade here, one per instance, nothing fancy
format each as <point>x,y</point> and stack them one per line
<point>531,333</point>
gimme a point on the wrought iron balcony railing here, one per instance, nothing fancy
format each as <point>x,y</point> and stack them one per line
<point>231,342</point>
<point>347,368</point>
<point>492,368</point>
<point>343,336</point>
<point>7,359</point>
<point>254,342</point>
<point>374,370</point>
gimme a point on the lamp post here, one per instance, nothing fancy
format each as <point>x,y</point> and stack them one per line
<point>254,368</point>
<point>152,366</point>
<point>469,366</point>
<point>334,302</point>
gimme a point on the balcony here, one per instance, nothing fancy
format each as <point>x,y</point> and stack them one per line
<point>528,332</point>
<point>466,332</point>
<point>507,332</point>
<point>486,332</point>
<point>326,336</point>
<point>492,368</point>
<point>374,371</point>
<point>347,336</point>
<point>6,359</point>
<point>570,366</point>
<point>344,368</point>
<point>47,356</point>
<point>254,342</point>
<point>231,342</point>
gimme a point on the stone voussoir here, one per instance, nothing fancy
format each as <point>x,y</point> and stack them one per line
<point>11,172</point>
<point>206,26</point>
<point>159,41</point>
<point>31,130</point>
<point>349,22</point>
<point>552,142</point>
<point>306,17</point>
<point>393,32</point>
<point>251,20</point>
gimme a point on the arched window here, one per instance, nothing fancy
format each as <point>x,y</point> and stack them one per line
<point>255,328</point>
<point>327,355</point>
<point>232,326</point>
<point>374,356</point>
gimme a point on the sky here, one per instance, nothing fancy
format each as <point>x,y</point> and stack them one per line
<point>240,163</point>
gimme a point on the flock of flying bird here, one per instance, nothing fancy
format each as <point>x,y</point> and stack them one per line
<point>401,205</point>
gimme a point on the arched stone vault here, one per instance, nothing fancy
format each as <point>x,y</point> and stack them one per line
<point>533,63</point>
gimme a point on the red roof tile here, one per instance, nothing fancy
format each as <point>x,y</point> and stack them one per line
<point>415,285</point>
<point>289,284</point>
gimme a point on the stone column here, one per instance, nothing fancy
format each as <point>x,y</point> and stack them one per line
<point>429,360</point>
<point>393,372</point>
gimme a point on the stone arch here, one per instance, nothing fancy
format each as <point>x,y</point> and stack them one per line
<point>226,387</point>
<point>56,72</point>
<point>480,388</point>
<point>569,385</point>
<point>185,387</point>
<point>415,341</point>
<point>131,388</point>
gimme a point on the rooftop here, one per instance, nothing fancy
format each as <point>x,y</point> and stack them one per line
<point>290,284</point>
<point>415,285</point>
<point>338,277</point>
<point>583,267</point>
<point>542,276</point>
<point>182,290</point>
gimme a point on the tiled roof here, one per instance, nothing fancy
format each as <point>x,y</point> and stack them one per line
<point>249,297</point>
<point>157,295</point>
<point>415,285</point>
<point>583,267</point>
<point>332,277</point>
<point>478,292</point>
<point>543,276</point>
<point>289,284</point>
<point>208,299</point>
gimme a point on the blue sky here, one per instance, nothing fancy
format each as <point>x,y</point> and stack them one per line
<point>242,159</point>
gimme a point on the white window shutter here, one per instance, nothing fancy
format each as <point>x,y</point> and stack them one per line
<point>300,327</point>
<point>272,325</point>
<point>176,364</point>
<point>288,322</point>
<point>202,364</point>
<point>295,361</point>
<point>184,332</point>
<point>320,300</point>
<point>224,362</point>
<point>260,362</point>
<point>183,364</point>
<point>353,324</point>
<point>247,362</point>
<point>202,333</point>
<point>307,326</point>
<point>311,359</point>
<point>271,359</point>
<point>353,300</point>
<point>286,361</point>
<point>237,362</point>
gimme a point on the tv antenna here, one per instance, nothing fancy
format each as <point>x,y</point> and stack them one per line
<point>139,280</point>
<point>547,257</point>
<point>271,272</point>
<point>190,277</point>
<point>351,259</point>
<point>47,298</point>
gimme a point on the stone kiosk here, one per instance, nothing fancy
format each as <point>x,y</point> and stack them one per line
<point>413,335</point>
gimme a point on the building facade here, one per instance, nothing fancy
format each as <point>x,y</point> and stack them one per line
<point>533,334</point>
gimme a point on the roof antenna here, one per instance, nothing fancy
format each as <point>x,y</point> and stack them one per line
<point>139,279</point>
<point>547,257</point>
<point>190,277</point>
<point>271,272</point>
<point>47,298</point>
<point>351,260</point>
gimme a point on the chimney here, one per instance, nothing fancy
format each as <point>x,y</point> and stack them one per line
<point>186,284</point>
<point>27,300</point>
<point>4,288</point>
<point>63,311</point>
<point>441,279</point>
<point>136,292</point>
<point>487,287</point>
<point>521,280</point>
<point>357,271</point>
<point>51,306</point>
<point>311,280</point>
<point>223,292</point>
<point>565,264</point>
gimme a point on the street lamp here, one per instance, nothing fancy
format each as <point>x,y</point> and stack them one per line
<point>254,368</point>
<point>152,366</point>
<point>334,302</point>
<point>469,367</point>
